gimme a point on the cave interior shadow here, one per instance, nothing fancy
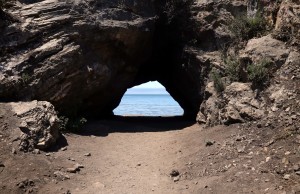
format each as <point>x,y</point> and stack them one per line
<point>134,124</point>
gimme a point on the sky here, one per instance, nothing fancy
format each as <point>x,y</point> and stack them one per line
<point>148,88</point>
<point>151,84</point>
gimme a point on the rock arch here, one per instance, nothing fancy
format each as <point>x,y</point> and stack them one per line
<point>82,56</point>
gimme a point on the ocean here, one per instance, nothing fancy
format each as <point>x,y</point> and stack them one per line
<point>148,104</point>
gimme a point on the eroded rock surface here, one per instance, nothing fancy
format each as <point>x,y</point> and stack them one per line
<point>34,124</point>
<point>79,55</point>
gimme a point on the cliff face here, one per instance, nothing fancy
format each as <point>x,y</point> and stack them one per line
<point>82,55</point>
<point>79,55</point>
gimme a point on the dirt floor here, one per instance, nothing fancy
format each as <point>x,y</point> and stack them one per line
<point>157,155</point>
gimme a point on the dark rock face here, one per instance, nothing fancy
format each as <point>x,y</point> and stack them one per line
<point>83,55</point>
<point>79,55</point>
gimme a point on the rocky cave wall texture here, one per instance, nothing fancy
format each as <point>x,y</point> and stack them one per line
<point>82,55</point>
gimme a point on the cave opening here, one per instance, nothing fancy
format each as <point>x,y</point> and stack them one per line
<point>150,99</point>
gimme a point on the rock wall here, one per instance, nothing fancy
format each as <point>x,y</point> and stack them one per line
<point>79,55</point>
<point>82,55</point>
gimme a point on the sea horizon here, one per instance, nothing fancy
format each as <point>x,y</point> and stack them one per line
<point>148,102</point>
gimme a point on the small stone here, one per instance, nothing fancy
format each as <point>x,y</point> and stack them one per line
<point>268,159</point>
<point>78,166</point>
<point>241,149</point>
<point>175,179</point>
<point>287,109</point>
<point>286,176</point>
<point>13,151</point>
<point>139,164</point>
<point>72,170</point>
<point>87,154</point>
<point>296,167</point>
<point>174,173</point>
<point>63,149</point>
<point>285,161</point>
<point>48,154</point>
<point>61,175</point>
<point>209,143</point>
<point>36,151</point>
<point>294,117</point>
<point>287,153</point>
<point>267,189</point>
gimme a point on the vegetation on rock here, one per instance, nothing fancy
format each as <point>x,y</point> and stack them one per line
<point>245,28</point>
<point>258,73</point>
<point>218,82</point>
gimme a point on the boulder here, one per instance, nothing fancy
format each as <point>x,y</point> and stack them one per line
<point>38,123</point>
<point>287,26</point>
<point>237,104</point>
<point>241,103</point>
<point>265,48</point>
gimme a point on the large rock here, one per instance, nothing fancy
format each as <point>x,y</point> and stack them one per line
<point>266,48</point>
<point>237,104</point>
<point>38,123</point>
<point>288,22</point>
<point>82,55</point>
<point>79,55</point>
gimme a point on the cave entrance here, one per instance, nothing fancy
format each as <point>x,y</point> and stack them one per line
<point>149,99</point>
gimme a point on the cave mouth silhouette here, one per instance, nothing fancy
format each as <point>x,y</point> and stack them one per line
<point>149,99</point>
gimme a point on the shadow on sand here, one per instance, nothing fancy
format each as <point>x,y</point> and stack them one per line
<point>134,124</point>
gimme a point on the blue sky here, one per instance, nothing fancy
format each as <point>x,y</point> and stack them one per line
<point>148,88</point>
<point>153,84</point>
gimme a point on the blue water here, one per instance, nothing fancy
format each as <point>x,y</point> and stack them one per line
<point>148,105</point>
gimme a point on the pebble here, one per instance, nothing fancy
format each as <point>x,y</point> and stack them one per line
<point>268,159</point>
<point>298,173</point>
<point>87,154</point>
<point>209,143</point>
<point>61,175</point>
<point>175,179</point>
<point>36,151</point>
<point>174,173</point>
<point>296,167</point>
<point>72,170</point>
<point>287,153</point>
<point>241,149</point>
<point>48,154</point>
<point>13,151</point>
<point>78,166</point>
<point>285,161</point>
<point>286,176</point>
<point>63,149</point>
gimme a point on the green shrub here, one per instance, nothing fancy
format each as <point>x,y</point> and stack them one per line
<point>218,82</point>
<point>233,68</point>
<point>245,28</point>
<point>258,73</point>
<point>71,125</point>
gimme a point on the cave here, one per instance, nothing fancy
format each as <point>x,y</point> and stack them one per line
<point>84,66</point>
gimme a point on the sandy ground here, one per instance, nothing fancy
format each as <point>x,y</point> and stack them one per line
<point>137,155</point>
